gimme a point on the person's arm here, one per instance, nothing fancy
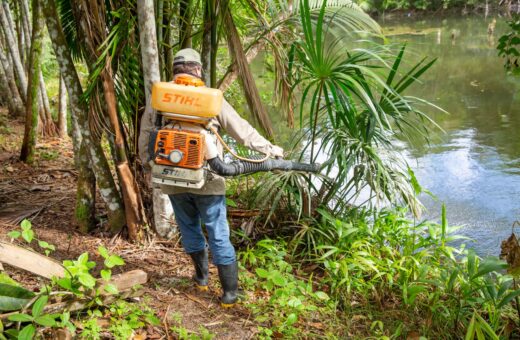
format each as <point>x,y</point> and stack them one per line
<point>244,133</point>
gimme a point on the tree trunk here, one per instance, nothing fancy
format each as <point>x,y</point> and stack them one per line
<point>31,117</point>
<point>248,83</point>
<point>18,25</point>
<point>160,30</point>
<point>26,24</point>
<point>170,41</point>
<point>11,24</point>
<point>85,211</point>
<point>62,110</point>
<point>12,47</point>
<point>11,81</point>
<point>6,93</point>
<point>205,54</point>
<point>49,129</point>
<point>135,219</point>
<point>162,209</point>
<point>214,41</point>
<point>185,23</point>
<point>107,187</point>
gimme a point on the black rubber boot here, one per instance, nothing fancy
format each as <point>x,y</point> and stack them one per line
<point>200,261</point>
<point>228,275</point>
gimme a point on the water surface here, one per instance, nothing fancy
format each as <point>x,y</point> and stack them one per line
<point>475,166</point>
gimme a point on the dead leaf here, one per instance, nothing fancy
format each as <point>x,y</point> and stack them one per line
<point>413,336</point>
<point>510,252</point>
<point>9,168</point>
<point>63,334</point>
<point>139,336</point>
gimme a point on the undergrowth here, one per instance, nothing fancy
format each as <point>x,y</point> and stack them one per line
<point>379,276</point>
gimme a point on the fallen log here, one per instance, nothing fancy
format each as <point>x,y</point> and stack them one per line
<point>30,260</point>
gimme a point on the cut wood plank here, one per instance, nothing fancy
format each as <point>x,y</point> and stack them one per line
<point>30,260</point>
<point>128,280</point>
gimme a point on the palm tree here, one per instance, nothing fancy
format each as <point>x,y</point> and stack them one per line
<point>352,109</point>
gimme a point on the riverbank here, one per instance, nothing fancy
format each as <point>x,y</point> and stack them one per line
<point>459,10</point>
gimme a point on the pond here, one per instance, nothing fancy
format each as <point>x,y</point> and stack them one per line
<point>474,167</point>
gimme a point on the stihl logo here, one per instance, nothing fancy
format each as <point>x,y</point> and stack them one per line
<point>180,99</point>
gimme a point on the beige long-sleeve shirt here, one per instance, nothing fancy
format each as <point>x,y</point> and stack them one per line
<point>237,127</point>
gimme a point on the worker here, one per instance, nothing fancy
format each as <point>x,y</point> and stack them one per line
<point>207,205</point>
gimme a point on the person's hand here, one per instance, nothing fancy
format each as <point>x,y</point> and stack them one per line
<point>276,151</point>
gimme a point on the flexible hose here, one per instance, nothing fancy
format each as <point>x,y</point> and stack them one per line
<point>245,167</point>
<point>252,160</point>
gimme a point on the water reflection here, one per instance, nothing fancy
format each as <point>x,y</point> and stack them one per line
<point>475,167</point>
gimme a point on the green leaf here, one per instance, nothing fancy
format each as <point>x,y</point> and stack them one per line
<point>26,224</point>
<point>278,279</point>
<point>322,296</point>
<point>27,332</point>
<point>28,235</point>
<point>4,278</point>
<point>20,317</point>
<point>65,283</point>
<point>487,328</point>
<point>488,265</point>
<point>114,260</point>
<point>12,333</point>
<point>510,296</point>
<point>291,319</point>
<point>14,234</point>
<point>37,307</point>
<point>83,258</point>
<point>111,289</point>
<point>153,320</point>
<point>87,280</point>
<point>13,297</point>
<point>46,320</point>
<point>231,203</point>
<point>106,274</point>
<point>103,252</point>
<point>262,273</point>
<point>294,302</point>
<point>470,333</point>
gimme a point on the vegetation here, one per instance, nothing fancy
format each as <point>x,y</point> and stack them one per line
<point>341,254</point>
<point>379,275</point>
<point>509,45</point>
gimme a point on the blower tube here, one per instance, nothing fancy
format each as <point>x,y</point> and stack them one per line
<point>243,167</point>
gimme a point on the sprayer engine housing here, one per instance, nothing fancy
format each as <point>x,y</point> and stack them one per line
<point>179,148</point>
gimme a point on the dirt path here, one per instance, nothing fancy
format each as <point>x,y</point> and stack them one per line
<point>45,193</point>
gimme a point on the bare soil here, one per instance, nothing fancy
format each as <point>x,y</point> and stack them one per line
<point>45,193</point>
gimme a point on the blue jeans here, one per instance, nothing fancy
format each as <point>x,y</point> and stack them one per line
<point>190,210</point>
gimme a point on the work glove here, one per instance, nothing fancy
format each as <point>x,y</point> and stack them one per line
<point>276,151</point>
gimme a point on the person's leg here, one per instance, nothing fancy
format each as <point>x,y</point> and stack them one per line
<point>188,218</point>
<point>193,241</point>
<point>213,213</point>
<point>212,210</point>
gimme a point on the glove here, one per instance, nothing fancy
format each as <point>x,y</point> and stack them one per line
<point>276,151</point>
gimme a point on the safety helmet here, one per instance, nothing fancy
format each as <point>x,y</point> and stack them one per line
<point>187,55</point>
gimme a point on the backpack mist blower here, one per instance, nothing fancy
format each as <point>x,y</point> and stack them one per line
<point>185,138</point>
